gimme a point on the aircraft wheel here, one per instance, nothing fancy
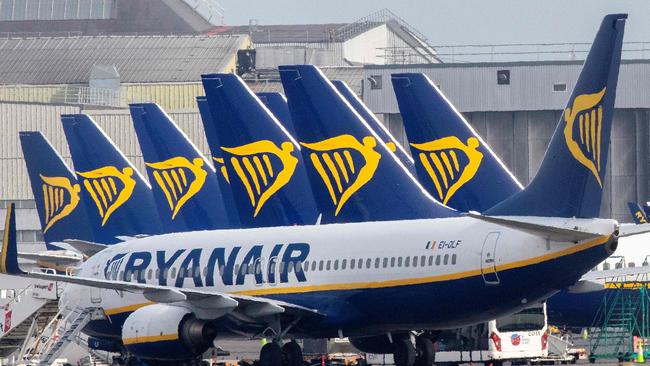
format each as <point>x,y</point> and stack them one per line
<point>271,355</point>
<point>425,351</point>
<point>292,354</point>
<point>404,354</point>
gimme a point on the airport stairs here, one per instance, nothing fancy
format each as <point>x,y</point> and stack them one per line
<point>621,316</point>
<point>26,314</point>
<point>57,335</point>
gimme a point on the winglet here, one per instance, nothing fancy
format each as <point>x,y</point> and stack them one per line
<point>9,254</point>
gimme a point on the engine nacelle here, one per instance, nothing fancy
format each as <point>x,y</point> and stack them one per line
<point>166,332</point>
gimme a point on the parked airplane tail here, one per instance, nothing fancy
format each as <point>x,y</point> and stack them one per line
<point>118,200</point>
<point>56,192</point>
<point>184,182</point>
<point>354,175</point>
<point>263,160</point>
<point>453,162</point>
<point>638,215</point>
<point>277,104</point>
<point>569,182</point>
<point>218,163</point>
<point>372,121</point>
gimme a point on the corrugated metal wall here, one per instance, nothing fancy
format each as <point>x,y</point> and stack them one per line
<point>474,87</point>
<point>34,117</point>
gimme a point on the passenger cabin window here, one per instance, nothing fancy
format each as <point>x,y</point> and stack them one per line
<point>430,260</point>
<point>313,265</point>
<point>320,265</point>
<point>438,260</point>
<point>368,263</point>
<point>352,263</point>
<point>377,260</point>
<point>385,264</point>
<point>453,259</point>
<point>445,259</point>
<point>423,260</point>
<point>415,261</point>
<point>606,266</point>
<point>328,265</point>
<point>344,263</point>
<point>631,264</point>
<point>306,266</point>
<point>392,262</point>
<point>149,272</point>
<point>172,274</point>
<point>407,262</point>
<point>336,265</point>
<point>399,261</point>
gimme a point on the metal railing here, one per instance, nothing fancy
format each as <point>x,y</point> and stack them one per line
<point>85,95</point>
<point>530,52</point>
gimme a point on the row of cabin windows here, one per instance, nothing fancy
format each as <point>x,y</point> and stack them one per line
<point>307,266</point>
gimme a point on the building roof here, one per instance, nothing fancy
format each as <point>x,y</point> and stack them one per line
<point>351,75</point>
<point>70,60</point>
<point>284,33</point>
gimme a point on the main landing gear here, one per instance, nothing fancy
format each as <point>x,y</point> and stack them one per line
<point>419,354</point>
<point>272,354</point>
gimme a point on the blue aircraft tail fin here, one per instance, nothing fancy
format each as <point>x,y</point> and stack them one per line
<point>354,176</point>
<point>9,253</point>
<point>453,163</point>
<point>118,200</point>
<point>646,210</point>
<point>372,121</point>
<point>277,104</point>
<point>218,162</point>
<point>263,160</point>
<point>56,191</point>
<point>184,182</point>
<point>638,215</point>
<point>569,182</point>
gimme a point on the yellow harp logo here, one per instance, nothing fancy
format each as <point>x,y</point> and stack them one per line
<point>252,163</point>
<point>60,198</point>
<point>333,161</point>
<point>639,215</point>
<point>587,113</point>
<point>221,166</point>
<point>450,163</point>
<point>109,188</point>
<point>173,179</point>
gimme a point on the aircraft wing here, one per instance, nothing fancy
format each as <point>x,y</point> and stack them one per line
<point>633,229</point>
<point>251,306</point>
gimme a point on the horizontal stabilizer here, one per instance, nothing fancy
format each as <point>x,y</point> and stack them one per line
<point>633,229</point>
<point>54,257</point>
<point>554,233</point>
<point>87,248</point>
<point>617,274</point>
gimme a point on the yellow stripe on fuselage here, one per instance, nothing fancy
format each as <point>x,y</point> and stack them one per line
<point>149,339</point>
<point>394,283</point>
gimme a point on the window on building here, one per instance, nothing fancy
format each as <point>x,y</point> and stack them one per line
<point>559,87</point>
<point>375,82</point>
<point>503,77</point>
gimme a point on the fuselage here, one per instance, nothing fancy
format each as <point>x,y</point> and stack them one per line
<point>363,278</point>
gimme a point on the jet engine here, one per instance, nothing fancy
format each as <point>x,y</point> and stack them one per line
<point>167,332</point>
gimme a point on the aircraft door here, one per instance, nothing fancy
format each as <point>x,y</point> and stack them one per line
<point>488,259</point>
<point>95,295</point>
